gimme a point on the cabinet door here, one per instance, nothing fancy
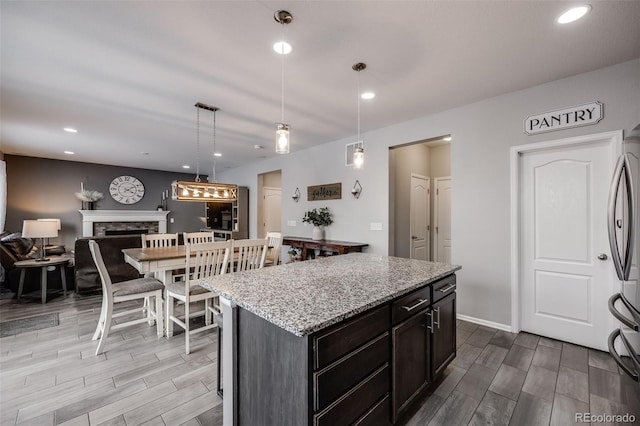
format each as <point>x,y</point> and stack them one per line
<point>443,342</point>
<point>410,361</point>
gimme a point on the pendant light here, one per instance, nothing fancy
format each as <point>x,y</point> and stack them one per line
<point>358,153</point>
<point>282,129</point>
<point>198,190</point>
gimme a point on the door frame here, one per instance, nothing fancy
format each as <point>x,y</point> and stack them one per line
<point>428,179</point>
<point>435,214</point>
<point>615,144</point>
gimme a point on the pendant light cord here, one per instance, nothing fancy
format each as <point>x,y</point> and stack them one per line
<point>358,100</point>
<point>283,55</point>
<point>214,148</point>
<point>198,146</point>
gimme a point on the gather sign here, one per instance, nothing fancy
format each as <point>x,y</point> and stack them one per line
<point>329,191</point>
<point>566,118</point>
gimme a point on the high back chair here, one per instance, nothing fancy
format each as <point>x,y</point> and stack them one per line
<point>198,237</point>
<point>249,254</point>
<point>203,260</point>
<point>274,243</point>
<point>140,288</point>
<point>159,240</point>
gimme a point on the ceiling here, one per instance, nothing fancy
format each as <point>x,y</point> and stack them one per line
<point>127,74</point>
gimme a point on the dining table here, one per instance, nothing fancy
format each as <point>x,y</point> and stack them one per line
<point>159,261</point>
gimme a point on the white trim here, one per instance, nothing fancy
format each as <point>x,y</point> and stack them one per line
<point>91,216</point>
<point>516,151</point>
<point>496,325</point>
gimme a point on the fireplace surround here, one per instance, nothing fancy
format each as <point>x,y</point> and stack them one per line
<point>96,222</point>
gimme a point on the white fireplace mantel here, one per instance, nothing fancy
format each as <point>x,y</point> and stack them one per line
<point>91,216</point>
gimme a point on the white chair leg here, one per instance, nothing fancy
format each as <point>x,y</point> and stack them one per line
<point>186,323</point>
<point>169,309</point>
<point>159,319</point>
<point>105,331</point>
<point>207,311</point>
<point>100,326</point>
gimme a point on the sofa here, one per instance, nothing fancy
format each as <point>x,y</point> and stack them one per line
<point>13,248</point>
<point>86,273</point>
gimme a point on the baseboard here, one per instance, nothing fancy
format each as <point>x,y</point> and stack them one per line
<point>496,325</point>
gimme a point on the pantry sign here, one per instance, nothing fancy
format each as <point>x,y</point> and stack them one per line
<point>566,118</point>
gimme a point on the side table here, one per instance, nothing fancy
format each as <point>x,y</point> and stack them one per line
<point>58,261</point>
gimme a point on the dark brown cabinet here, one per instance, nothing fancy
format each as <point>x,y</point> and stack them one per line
<point>443,342</point>
<point>411,372</point>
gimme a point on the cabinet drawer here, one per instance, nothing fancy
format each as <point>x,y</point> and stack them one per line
<point>338,341</point>
<point>377,416</point>
<point>411,303</point>
<point>337,378</point>
<point>444,287</point>
<point>355,405</point>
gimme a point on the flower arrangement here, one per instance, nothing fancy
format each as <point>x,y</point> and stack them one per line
<point>89,195</point>
<point>318,217</point>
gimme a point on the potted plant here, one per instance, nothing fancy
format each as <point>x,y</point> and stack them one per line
<point>88,197</point>
<point>319,218</point>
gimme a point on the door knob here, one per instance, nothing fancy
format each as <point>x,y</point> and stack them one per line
<point>413,237</point>
<point>602,256</point>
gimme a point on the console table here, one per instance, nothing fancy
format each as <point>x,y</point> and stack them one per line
<point>308,246</point>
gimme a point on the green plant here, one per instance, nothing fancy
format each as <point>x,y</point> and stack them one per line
<point>318,217</point>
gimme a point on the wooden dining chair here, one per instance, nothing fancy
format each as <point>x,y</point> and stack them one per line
<point>202,260</point>
<point>141,288</point>
<point>198,237</point>
<point>249,254</point>
<point>274,242</point>
<point>159,240</point>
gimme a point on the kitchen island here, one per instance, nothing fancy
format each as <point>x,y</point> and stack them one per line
<point>347,339</point>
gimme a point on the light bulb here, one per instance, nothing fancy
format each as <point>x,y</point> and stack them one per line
<point>185,192</point>
<point>196,193</point>
<point>206,193</point>
<point>282,139</point>
<point>226,194</point>
<point>358,158</point>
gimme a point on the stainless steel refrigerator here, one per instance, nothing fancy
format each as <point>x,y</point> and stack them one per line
<point>624,238</point>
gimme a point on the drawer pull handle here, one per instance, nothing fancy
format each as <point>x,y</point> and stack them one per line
<point>451,287</point>
<point>415,305</point>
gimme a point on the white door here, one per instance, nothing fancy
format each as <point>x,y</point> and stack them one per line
<point>442,220</point>
<point>563,207</point>
<point>419,220</point>
<point>272,209</point>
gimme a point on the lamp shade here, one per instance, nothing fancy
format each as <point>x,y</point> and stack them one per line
<point>57,221</point>
<point>39,229</point>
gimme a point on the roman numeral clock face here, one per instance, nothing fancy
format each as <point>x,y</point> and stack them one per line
<point>126,190</point>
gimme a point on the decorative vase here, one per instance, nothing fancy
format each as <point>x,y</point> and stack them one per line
<point>87,205</point>
<point>318,233</point>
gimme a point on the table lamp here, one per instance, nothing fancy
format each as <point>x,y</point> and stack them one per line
<point>39,229</point>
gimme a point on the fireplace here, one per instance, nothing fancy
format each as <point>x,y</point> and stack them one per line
<point>122,222</point>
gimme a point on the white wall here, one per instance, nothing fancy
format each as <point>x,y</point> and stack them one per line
<point>482,134</point>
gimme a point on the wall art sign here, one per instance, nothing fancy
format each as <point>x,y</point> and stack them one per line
<point>329,191</point>
<point>566,118</point>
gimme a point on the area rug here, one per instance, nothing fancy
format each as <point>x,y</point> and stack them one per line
<point>11,328</point>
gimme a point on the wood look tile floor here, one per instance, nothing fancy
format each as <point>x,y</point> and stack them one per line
<point>51,376</point>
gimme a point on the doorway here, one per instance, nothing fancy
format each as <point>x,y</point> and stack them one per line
<point>442,220</point>
<point>269,202</point>
<point>563,275</point>
<point>413,169</point>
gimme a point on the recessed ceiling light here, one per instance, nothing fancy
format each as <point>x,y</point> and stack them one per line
<point>70,130</point>
<point>144,153</point>
<point>282,47</point>
<point>574,14</point>
<point>368,95</point>
<point>258,147</point>
<point>69,152</point>
<point>217,154</point>
<point>186,167</point>
<point>447,138</point>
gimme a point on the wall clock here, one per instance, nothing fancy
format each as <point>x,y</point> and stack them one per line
<point>126,189</point>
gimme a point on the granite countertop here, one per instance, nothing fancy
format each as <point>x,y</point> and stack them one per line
<point>305,297</point>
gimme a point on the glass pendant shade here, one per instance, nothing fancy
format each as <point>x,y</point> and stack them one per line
<point>282,138</point>
<point>358,158</point>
